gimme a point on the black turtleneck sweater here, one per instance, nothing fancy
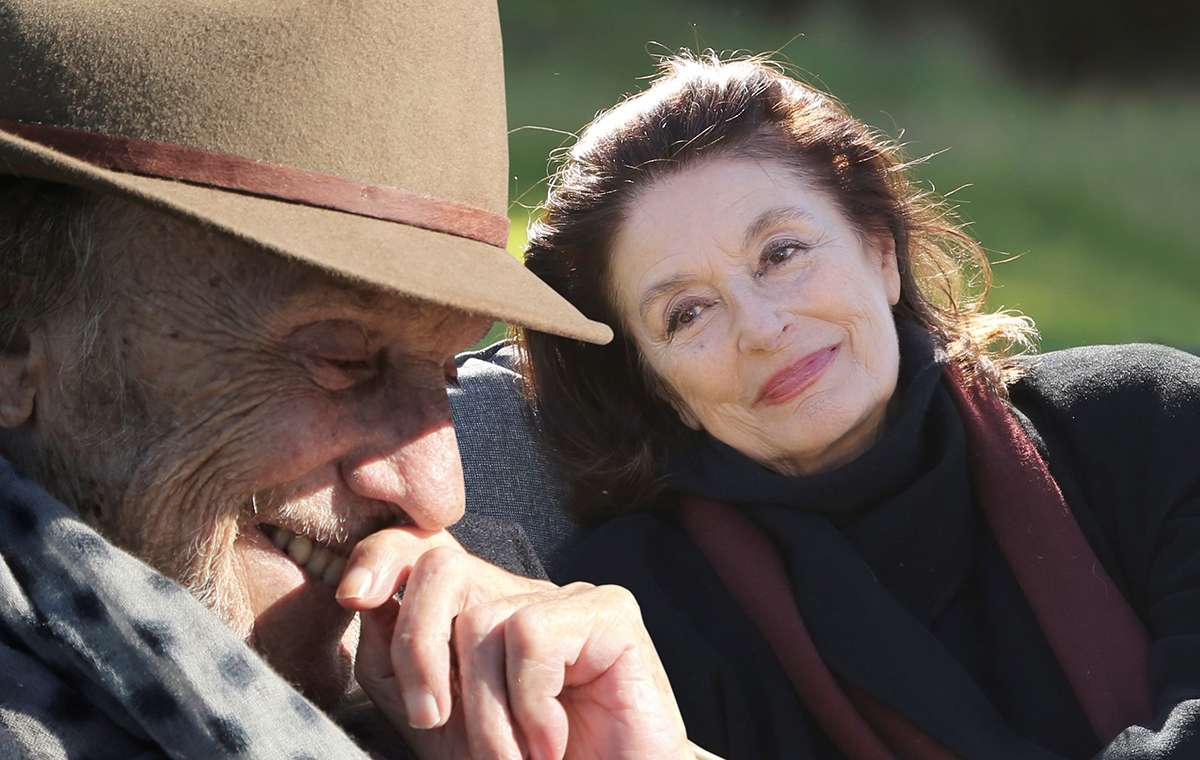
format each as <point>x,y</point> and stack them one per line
<point>904,590</point>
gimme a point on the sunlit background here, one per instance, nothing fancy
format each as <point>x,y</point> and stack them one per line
<point>1067,136</point>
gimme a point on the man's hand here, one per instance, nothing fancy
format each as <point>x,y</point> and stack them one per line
<point>478,662</point>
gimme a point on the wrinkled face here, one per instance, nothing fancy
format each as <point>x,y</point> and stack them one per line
<point>263,400</point>
<point>761,311</point>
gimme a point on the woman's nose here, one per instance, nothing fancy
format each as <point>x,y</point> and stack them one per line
<point>414,467</point>
<point>760,325</point>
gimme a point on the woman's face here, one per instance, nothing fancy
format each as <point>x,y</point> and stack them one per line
<point>762,310</point>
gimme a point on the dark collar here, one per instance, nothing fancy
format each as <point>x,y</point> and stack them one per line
<point>904,505</point>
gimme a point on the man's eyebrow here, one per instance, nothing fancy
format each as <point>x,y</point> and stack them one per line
<point>773,217</point>
<point>659,288</point>
<point>318,296</point>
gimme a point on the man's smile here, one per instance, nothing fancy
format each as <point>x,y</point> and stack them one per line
<point>319,560</point>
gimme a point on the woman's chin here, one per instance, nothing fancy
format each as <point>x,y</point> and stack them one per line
<point>839,439</point>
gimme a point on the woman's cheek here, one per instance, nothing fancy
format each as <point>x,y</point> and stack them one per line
<point>697,375</point>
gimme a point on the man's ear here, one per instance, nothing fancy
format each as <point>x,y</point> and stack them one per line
<point>22,365</point>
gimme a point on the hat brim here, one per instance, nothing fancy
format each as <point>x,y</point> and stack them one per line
<point>432,266</point>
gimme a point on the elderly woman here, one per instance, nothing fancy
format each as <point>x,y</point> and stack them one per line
<point>858,523</point>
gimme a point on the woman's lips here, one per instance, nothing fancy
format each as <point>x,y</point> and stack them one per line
<point>790,381</point>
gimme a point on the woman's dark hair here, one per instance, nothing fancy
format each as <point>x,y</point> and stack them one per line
<point>601,411</point>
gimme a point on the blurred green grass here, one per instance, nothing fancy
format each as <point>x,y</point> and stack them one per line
<point>1091,195</point>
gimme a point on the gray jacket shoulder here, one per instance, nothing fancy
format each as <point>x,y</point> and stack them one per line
<point>509,475</point>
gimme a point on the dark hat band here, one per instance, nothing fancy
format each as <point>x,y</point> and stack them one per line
<point>239,174</point>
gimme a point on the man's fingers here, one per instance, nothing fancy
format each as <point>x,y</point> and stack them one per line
<point>450,599</point>
<point>479,643</point>
<point>591,639</point>
<point>441,583</point>
<point>534,683</point>
<point>438,589</point>
<point>538,665</point>
<point>381,563</point>
<point>372,663</point>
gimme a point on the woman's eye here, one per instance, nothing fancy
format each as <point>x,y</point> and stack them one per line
<point>779,253</point>
<point>682,316</point>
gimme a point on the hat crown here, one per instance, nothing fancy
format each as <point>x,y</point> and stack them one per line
<point>400,93</point>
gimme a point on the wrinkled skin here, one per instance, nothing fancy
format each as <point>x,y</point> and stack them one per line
<point>229,389</point>
<point>490,665</point>
<point>743,266</point>
<point>255,390</point>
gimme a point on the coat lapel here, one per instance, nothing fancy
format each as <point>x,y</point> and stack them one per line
<point>894,658</point>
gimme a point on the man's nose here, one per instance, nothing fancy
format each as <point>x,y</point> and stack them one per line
<point>416,471</point>
<point>760,323</point>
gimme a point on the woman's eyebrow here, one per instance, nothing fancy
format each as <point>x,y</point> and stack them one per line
<point>773,217</point>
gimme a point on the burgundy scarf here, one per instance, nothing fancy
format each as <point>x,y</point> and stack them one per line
<point>1071,595</point>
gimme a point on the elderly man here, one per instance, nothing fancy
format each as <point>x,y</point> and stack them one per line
<point>240,245</point>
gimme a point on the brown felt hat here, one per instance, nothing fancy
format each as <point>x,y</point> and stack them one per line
<point>367,137</point>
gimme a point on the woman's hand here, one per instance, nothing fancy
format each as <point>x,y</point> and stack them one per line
<point>478,662</point>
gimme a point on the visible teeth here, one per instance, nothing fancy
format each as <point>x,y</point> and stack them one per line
<point>333,573</point>
<point>318,561</point>
<point>300,548</point>
<point>281,538</point>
